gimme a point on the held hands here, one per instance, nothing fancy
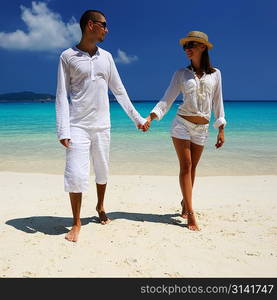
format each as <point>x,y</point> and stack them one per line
<point>146,125</point>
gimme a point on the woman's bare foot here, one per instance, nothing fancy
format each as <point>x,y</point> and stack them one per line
<point>103,219</point>
<point>184,213</point>
<point>73,234</point>
<point>192,225</point>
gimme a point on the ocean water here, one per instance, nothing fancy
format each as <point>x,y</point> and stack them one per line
<point>28,141</point>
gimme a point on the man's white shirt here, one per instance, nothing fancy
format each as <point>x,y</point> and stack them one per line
<point>82,91</point>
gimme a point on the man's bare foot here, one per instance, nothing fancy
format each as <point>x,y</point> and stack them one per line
<point>184,213</point>
<point>103,219</point>
<point>73,234</point>
<point>192,225</point>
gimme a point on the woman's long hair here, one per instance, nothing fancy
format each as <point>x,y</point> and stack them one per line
<point>205,64</point>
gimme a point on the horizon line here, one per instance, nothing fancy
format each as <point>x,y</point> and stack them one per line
<point>114,100</point>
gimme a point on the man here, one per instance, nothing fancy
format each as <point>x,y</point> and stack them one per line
<point>85,74</point>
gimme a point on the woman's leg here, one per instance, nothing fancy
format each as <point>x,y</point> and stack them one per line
<point>183,150</point>
<point>196,152</point>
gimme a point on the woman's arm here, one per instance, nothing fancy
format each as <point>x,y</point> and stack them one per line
<point>151,117</point>
<point>220,137</point>
<point>219,114</point>
<point>168,98</point>
<point>218,107</point>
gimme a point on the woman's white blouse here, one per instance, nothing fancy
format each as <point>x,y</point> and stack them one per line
<point>200,96</point>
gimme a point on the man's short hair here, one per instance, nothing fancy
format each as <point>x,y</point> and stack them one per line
<point>90,14</point>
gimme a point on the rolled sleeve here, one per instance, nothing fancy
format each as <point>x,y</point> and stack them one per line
<point>218,107</point>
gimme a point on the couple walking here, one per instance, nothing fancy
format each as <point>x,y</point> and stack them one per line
<point>85,74</point>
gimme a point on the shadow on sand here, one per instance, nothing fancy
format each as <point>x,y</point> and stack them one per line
<point>143,217</point>
<point>45,224</point>
<point>59,225</point>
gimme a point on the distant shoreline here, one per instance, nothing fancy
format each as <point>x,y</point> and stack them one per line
<point>135,101</point>
<point>31,97</point>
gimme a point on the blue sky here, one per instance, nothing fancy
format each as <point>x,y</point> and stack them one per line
<point>144,39</point>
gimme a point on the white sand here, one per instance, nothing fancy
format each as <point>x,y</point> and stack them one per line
<point>146,238</point>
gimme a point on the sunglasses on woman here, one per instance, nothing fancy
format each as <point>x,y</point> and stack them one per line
<point>190,45</point>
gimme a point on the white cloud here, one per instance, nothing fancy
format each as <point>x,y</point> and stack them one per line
<point>45,31</point>
<point>124,58</point>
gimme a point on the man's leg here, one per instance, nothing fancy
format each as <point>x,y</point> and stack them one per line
<point>77,176</point>
<point>101,189</point>
<point>100,148</point>
<point>76,201</point>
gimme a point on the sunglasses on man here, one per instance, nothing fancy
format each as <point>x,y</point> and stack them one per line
<point>103,24</point>
<point>190,45</point>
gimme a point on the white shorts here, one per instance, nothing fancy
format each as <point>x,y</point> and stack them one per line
<point>185,130</point>
<point>86,145</point>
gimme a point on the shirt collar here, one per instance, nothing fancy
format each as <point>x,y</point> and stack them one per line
<point>190,68</point>
<point>97,53</point>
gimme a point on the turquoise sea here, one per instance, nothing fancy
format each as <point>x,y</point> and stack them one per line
<point>28,141</point>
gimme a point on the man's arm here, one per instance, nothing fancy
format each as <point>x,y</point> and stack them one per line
<point>62,105</point>
<point>117,88</point>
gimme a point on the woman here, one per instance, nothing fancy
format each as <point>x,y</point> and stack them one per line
<point>200,84</point>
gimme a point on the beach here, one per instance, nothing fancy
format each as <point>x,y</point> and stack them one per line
<point>234,197</point>
<point>146,237</point>
<point>73,72</point>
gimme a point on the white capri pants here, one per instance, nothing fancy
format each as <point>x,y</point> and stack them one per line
<point>185,130</point>
<point>85,146</point>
